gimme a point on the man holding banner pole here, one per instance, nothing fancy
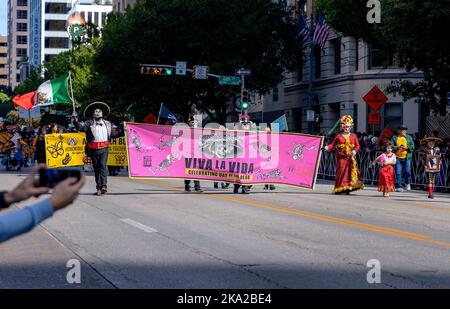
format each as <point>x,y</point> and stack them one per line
<point>98,136</point>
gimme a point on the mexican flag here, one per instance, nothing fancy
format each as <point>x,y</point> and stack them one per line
<point>53,91</point>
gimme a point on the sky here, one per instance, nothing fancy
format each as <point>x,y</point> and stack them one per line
<point>3,16</point>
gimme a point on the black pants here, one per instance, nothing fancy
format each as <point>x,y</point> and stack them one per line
<point>99,158</point>
<point>187,184</point>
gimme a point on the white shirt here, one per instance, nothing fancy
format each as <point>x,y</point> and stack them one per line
<point>100,132</point>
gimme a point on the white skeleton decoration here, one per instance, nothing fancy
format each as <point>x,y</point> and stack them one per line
<point>264,149</point>
<point>164,165</point>
<point>168,143</point>
<point>273,174</point>
<point>297,150</point>
<point>136,141</point>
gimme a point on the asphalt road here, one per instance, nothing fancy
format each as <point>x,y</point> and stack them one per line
<point>150,234</point>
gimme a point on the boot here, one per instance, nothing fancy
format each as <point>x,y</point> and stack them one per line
<point>430,191</point>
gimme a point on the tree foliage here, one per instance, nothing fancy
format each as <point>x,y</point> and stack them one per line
<point>223,34</point>
<point>411,28</point>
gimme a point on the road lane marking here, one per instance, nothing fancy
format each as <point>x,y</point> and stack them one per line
<point>138,225</point>
<point>317,216</point>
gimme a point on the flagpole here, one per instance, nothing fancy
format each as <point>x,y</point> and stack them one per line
<point>71,92</point>
<point>311,70</point>
<point>159,112</point>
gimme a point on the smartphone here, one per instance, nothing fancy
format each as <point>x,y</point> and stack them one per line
<point>49,177</point>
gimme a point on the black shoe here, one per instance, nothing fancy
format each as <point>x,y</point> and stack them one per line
<point>98,193</point>
<point>103,190</point>
<point>216,186</point>
<point>272,187</point>
<point>266,187</point>
<point>187,189</point>
<point>236,191</point>
<point>225,185</point>
<point>430,196</point>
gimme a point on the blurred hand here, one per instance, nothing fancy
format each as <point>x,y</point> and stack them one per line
<point>353,152</point>
<point>27,188</point>
<point>66,192</point>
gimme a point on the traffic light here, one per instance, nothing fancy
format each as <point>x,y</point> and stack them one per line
<point>156,70</point>
<point>245,99</point>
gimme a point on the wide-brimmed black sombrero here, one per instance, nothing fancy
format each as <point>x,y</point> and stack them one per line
<point>427,139</point>
<point>89,110</point>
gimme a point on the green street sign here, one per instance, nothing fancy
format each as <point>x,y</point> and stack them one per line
<point>229,80</point>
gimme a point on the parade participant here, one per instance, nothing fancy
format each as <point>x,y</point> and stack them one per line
<point>403,146</point>
<point>98,135</point>
<point>431,155</point>
<point>193,123</point>
<point>347,174</point>
<point>387,161</point>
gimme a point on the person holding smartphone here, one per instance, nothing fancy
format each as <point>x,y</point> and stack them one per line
<point>21,221</point>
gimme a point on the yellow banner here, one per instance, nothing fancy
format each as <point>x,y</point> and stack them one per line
<point>65,149</point>
<point>117,152</point>
<point>68,150</point>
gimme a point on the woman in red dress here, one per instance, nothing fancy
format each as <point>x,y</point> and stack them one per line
<point>348,177</point>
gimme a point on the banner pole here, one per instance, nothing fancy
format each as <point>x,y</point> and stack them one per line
<point>159,114</point>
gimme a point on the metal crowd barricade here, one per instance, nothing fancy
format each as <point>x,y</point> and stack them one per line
<point>370,171</point>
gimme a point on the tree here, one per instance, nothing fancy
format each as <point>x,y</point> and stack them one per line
<point>32,82</point>
<point>223,34</point>
<point>413,30</point>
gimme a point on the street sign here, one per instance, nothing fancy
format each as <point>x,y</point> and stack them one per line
<point>243,72</point>
<point>374,118</point>
<point>375,98</point>
<point>200,72</point>
<point>180,68</point>
<point>35,113</point>
<point>229,80</point>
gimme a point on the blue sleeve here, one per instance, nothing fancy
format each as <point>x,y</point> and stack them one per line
<point>23,220</point>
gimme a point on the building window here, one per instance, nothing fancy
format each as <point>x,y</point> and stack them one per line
<point>22,3</point>
<point>55,25</point>
<point>103,18</point>
<point>356,55</point>
<point>379,59</point>
<point>17,64</point>
<point>317,60</point>
<point>89,19</point>
<point>56,8</point>
<point>48,58</point>
<point>18,78</point>
<point>300,71</point>
<point>337,56</point>
<point>3,44</point>
<point>21,14</point>
<point>2,65</point>
<point>83,15</point>
<point>96,18</point>
<point>393,115</point>
<point>21,52</point>
<point>21,39</point>
<point>56,43</point>
<point>2,55</point>
<point>275,95</point>
<point>21,26</point>
<point>3,76</point>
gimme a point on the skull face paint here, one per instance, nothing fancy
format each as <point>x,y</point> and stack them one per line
<point>98,113</point>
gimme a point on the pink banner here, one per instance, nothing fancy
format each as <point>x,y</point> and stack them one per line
<point>246,157</point>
